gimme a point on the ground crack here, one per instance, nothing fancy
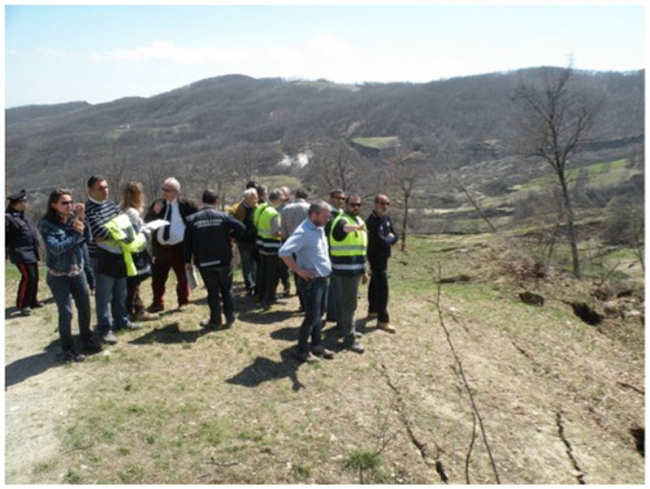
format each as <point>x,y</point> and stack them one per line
<point>569,449</point>
<point>408,425</point>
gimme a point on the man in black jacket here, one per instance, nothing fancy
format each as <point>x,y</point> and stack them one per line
<point>21,245</point>
<point>167,244</point>
<point>208,239</point>
<point>381,236</point>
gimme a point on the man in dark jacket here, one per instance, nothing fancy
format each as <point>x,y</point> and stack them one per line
<point>208,239</point>
<point>167,244</point>
<point>381,236</point>
<point>21,244</point>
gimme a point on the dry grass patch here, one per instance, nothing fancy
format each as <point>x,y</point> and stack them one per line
<point>172,403</point>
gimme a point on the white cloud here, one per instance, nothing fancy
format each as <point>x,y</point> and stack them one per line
<point>169,51</point>
<point>332,46</point>
<point>52,53</point>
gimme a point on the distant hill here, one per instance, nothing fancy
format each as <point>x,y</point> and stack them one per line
<point>198,127</point>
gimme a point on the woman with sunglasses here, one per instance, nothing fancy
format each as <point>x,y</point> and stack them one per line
<point>63,234</point>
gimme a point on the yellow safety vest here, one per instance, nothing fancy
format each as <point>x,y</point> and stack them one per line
<point>266,241</point>
<point>348,256</point>
<point>126,239</point>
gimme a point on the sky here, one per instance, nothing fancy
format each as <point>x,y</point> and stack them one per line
<point>97,54</point>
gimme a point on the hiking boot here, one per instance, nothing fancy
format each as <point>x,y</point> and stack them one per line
<point>321,351</point>
<point>109,338</point>
<point>210,325</point>
<point>386,327</point>
<point>306,356</point>
<point>73,356</point>
<point>26,311</point>
<point>146,316</point>
<point>91,345</point>
<point>156,308</point>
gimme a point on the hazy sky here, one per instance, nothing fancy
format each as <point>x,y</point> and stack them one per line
<point>57,54</point>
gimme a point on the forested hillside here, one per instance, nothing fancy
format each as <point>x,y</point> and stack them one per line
<point>252,123</point>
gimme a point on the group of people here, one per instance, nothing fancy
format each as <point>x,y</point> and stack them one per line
<point>110,248</point>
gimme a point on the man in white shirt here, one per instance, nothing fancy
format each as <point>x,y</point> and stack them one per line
<point>167,244</point>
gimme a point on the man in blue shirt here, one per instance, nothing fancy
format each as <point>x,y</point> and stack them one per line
<point>306,254</point>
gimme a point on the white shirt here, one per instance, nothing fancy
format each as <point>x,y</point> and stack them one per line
<point>177,226</point>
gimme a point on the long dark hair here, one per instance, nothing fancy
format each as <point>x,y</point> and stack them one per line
<point>51,214</point>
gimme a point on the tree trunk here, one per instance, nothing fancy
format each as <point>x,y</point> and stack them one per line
<point>571,229</point>
<point>405,219</point>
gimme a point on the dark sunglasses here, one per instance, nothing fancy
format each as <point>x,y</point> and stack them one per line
<point>66,202</point>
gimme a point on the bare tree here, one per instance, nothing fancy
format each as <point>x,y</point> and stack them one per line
<point>405,170</point>
<point>339,166</point>
<point>556,119</point>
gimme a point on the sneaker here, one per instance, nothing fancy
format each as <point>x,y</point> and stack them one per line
<point>356,347</point>
<point>37,304</point>
<point>182,307</point>
<point>321,351</point>
<point>286,292</point>
<point>371,316</point>
<point>73,356</point>
<point>91,345</point>
<point>146,316</point>
<point>306,357</point>
<point>386,327</point>
<point>229,322</point>
<point>109,338</point>
<point>156,308</point>
<point>128,326</point>
<point>26,311</point>
<point>358,334</point>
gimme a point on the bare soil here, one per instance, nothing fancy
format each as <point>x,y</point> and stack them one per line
<point>475,387</point>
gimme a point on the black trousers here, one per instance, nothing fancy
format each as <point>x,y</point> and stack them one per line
<point>268,276</point>
<point>28,286</point>
<point>378,288</point>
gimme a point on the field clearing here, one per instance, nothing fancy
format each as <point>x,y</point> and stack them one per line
<point>559,400</point>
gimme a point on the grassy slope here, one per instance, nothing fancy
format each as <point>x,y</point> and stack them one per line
<point>171,404</point>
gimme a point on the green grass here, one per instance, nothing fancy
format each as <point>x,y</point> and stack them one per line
<point>377,142</point>
<point>599,174</point>
<point>231,407</point>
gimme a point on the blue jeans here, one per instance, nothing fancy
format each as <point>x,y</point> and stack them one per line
<point>110,301</point>
<point>64,290</point>
<point>314,296</point>
<point>347,288</point>
<point>218,281</point>
<point>248,255</point>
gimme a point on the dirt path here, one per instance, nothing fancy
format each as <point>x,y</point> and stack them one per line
<point>40,392</point>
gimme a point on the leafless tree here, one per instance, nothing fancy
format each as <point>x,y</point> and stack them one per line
<point>555,120</point>
<point>338,166</point>
<point>405,169</point>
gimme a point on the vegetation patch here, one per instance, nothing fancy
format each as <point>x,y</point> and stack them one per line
<point>377,142</point>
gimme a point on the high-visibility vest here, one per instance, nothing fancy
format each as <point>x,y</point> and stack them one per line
<point>348,256</point>
<point>126,239</point>
<point>262,220</point>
